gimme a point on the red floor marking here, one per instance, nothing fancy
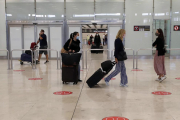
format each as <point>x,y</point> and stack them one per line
<point>35,78</point>
<point>137,70</point>
<point>178,78</point>
<point>161,93</point>
<point>111,78</point>
<point>62,93</point>
<point>18,70</point>
<point>81,70</point>
<point>115,118</point>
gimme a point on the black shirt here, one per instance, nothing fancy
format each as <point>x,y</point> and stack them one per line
<point>119,47</point>
<point>43,42</point>
<point>159,43</point>
<point>97,40</point>
<point>74,45</point>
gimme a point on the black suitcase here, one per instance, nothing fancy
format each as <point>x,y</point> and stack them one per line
<point>95,78</point>
<point>100,74</point>
<point>100,51</point>
<point>93,47</point>
<point>70,74</point>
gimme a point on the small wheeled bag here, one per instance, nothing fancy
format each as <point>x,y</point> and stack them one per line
<point>71,58</point>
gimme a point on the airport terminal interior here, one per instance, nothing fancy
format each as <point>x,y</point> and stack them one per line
<point>34,88</point>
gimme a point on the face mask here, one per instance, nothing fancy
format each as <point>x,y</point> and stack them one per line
<point>156,34</point>
<point>77,37</point>
<point>96,34</point>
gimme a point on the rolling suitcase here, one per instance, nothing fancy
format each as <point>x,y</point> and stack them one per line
<point>93,47</point>
<point>26,57</point>
<point>107,66</point>
<point>70,73</point>
<point>100,51</point>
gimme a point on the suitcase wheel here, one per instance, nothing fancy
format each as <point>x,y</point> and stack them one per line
<point>65,82</point>
<point>21,62</point>
<point>75,83</point>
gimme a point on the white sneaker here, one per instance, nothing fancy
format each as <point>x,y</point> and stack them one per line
<point>158,79</point>
<point>121,85</point>
<point>125,85</point>
<point>163,78</point>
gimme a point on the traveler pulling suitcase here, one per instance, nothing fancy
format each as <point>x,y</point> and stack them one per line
<point>106,67</point>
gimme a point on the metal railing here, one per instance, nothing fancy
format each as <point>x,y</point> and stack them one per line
<point>21,50</point>
<point>126,49</point>
<point>48,50</point>
<point>82,58</point>
<point>8,58</point>
<point>150,49</point>
<point>95,50</point>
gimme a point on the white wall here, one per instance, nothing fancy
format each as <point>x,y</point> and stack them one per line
<point>2,28</point>
<point>138,13</point>
<point>175,35</point>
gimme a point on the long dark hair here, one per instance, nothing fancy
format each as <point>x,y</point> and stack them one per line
<point>161,35</point>
<point>73,34</point>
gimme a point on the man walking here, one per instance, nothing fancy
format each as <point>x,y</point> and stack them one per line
<point>43,45</point>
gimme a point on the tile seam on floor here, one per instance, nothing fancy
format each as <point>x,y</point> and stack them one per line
<point>80,92</point>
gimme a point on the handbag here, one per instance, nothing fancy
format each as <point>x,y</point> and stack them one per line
<point>65,51</point>
<point>122,56</point>
<point>71,58</point>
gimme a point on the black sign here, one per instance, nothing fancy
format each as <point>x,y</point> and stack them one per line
<point>141,28</point>
<point>94,30</point>
<point>176,27</point>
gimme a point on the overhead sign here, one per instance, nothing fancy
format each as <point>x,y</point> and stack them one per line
<point>176,27</point>
<point>141,28</point>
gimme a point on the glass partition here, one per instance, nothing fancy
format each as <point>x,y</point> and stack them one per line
<point>20,10</point>
<point>115,11</point>
<point>50,9</point>
<point>80,9</point>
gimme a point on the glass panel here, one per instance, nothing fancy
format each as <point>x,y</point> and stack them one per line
<point>50,9</point>
<point>175,35</point>
<point>20,10</point>
<point>114,13</point>
<point>28,36</point>
<point>16,40</point>
<point>80,9</point>
<point>161,9</point>
<point>56,40</point>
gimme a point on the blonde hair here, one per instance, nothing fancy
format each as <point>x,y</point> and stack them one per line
<point>120,34</point>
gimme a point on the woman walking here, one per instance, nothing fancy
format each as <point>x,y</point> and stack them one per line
<point>120,65</point>
<point>159,56</point>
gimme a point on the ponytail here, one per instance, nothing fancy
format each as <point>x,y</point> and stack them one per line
<point>73,34</point>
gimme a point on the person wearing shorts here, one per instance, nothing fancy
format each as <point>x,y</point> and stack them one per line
<point>43,45</point>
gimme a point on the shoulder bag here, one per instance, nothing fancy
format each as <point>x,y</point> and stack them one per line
<point>63,50</point>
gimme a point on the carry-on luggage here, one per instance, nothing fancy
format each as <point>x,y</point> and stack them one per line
<point>70,73</point>
<point>100,51</point>
<point>25,57</point>
<point>71,58</point>
<point>93,47</point>
<point>106,67</point>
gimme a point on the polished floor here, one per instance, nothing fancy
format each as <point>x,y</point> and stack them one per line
<point>23,99</point>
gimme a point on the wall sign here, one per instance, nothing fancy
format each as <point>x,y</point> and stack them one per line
<point>141,28</point>
<point>176,27</point>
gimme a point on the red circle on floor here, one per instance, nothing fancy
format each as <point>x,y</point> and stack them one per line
<point>161,93</point>
<point>81,70</point>
<point>35,78</point>
<point>62,93</point>
<point>178,78</point>
<point>18,70</point>
<point>137,70</point>
<point>115,118</point>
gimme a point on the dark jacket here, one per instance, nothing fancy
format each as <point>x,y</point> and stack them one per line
<point>119,47</point>
<point>74,45</point>
<point>159,43</point>
<point>97,40</point>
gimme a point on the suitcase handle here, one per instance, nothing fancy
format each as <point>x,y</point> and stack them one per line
<point>114,62</point>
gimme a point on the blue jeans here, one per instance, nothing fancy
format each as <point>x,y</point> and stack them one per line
<point>120,67</point>
<point>79,70</point>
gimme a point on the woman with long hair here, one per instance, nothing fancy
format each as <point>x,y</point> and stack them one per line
<point>120,65</point>
<point>73,47</point>
<point>159,57</point>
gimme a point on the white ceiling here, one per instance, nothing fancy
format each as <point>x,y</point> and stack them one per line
<point>93,27</point>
